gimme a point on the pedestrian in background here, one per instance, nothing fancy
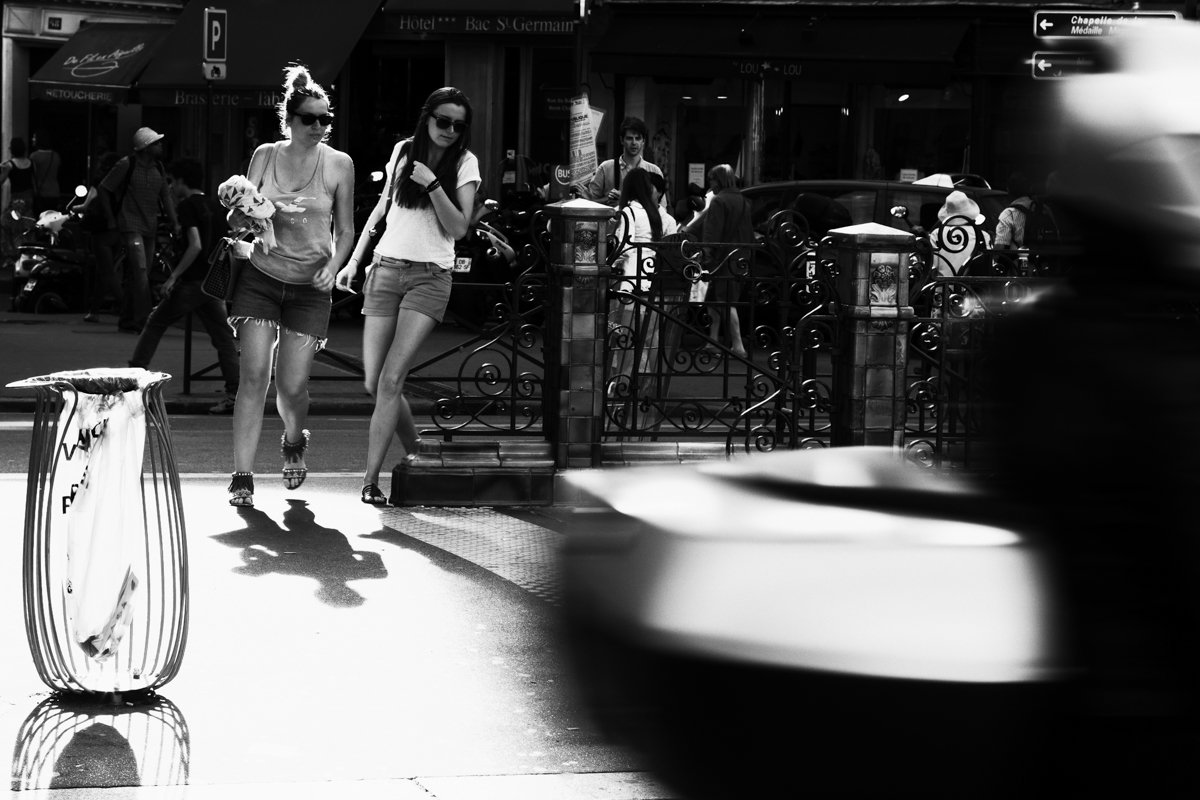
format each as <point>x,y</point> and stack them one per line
<point>281,303</point>
<point>605,186</point>
<point>104,242</point>
<point>46,192</point>
<point>18,171</point>
<point>1010,227</point>
<point>726,222</point>
<point>958,237</point>
<point>408,281</point>
<point>203,221</point>
<point>135,188</point>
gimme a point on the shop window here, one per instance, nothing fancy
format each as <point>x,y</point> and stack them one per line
<point>922,130</point>
<point>804,130</point>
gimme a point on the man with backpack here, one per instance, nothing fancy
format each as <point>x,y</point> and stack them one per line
<point>1027,221</point>
<point>130,197</point>
<point>204,225</point>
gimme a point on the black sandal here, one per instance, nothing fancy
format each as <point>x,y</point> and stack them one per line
<point>241,490</point>
<point>372,496</point>
<point>293,477</point>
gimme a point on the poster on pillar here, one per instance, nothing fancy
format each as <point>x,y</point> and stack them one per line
<point>583,141</point>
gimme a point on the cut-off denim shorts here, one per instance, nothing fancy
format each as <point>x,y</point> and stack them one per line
<point>395,284</point>
<point>298,308</point>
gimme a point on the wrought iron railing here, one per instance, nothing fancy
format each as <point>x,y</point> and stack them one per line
<point>960,291</point>
<point>730,341</point>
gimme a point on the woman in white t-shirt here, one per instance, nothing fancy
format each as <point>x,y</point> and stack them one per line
<point>429,195</point>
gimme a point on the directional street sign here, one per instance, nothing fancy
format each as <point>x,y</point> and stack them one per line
<point>1086,24</point>
<point>1053,66</point>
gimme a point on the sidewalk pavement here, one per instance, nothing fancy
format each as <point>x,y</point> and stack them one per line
<point>39,344</point>
<point>339,651</point>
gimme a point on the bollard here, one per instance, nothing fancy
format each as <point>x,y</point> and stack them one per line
<point>105,577</point>
<point>872,282</point>
<point>575,331</point>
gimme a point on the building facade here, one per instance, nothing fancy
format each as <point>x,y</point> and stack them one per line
<point>891,89</point>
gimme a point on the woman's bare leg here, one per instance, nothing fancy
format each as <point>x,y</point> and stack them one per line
<point>392,414</point>
<point>292,368</point>
<point>257,343</point>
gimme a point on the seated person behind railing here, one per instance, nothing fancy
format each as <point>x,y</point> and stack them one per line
<point>958,237</point>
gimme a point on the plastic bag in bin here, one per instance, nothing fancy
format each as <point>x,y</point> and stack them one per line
<point>99,482</point>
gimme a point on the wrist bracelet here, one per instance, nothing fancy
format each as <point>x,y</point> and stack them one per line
<point>432,187</point>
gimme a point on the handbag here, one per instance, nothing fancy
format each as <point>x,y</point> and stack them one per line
<point>376,233</point>
<point>223,272</point>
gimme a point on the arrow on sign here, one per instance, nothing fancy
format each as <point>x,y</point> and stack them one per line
<point>1045,24</point>
<point>1052,66</point>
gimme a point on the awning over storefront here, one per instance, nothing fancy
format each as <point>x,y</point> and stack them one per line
<point>879,50</point>
<point>482,6</point>
<point>264,36</point>
<point>99,63</point>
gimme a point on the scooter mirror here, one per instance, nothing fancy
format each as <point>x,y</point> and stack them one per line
<point>16,215</point>
<point>490,204</point>
<point>377,176</point>
<point>81,191</point>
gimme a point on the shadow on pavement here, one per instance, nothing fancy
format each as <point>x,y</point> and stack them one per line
<point>70,742</point>
<point>304,548</point>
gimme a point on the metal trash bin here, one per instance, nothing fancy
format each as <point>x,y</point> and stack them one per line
<point>105,551</point>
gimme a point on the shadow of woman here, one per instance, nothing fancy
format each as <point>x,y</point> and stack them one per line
<point>302,547</point>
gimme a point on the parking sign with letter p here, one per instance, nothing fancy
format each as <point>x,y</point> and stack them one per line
<point>216,34</point>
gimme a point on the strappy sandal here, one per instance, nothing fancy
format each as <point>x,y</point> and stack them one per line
<point>293,477</point>
<point>241,490</point>
<point>372,496</point>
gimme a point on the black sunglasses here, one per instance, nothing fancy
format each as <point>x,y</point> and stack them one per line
<point>444,123</point>
<point>309,119</point>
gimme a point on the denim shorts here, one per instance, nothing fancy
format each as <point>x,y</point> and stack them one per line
<point>299,308</point>
<point>416,285</point>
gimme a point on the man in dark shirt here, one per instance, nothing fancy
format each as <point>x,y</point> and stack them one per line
<point>203,222</point>
<point>134,190</point>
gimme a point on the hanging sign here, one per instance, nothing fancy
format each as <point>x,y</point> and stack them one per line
<point>1088,24</point>
<point>583,141</point>
<point>1055,65</point>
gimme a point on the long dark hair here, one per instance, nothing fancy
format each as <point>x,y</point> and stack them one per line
<point>298,86</point>
<point>411,194</point>
<point>636,186</point>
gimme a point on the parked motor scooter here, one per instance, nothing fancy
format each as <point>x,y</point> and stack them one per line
<point>48,275</point>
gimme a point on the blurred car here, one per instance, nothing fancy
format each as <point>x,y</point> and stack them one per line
<point>833,204</point>
<point>822,623</point>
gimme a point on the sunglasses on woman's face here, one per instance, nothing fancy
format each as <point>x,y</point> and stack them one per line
<point>444,123</point>
<point>309,119</point>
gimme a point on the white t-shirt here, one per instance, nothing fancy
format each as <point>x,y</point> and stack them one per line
<point>415,234</point>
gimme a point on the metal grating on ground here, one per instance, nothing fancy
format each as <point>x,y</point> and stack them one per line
<point>518,551</point>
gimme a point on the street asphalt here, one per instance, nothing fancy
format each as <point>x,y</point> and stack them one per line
<point>39,344</point>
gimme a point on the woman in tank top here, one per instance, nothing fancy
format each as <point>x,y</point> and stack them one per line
<point>18,170</point>
<point>282,299</point>
<point>431,183</point>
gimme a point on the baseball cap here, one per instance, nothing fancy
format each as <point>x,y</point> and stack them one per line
<point>144,138</point>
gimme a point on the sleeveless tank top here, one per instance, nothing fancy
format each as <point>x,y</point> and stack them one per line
<point>20,180</point>
<point>303,223</point>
